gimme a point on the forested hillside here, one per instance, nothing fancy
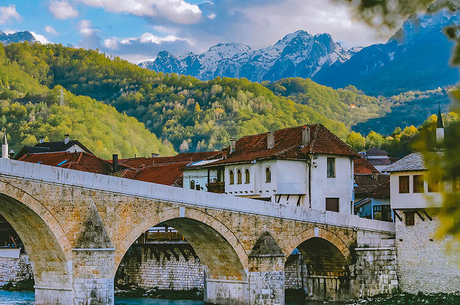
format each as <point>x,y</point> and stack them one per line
<point>348,105</point>
<point>29,110</point>
<point>192,114</point>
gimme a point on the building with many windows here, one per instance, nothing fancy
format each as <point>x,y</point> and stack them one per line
<point>305,166</point>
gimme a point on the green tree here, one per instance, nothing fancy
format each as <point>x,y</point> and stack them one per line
<point>356,141</point>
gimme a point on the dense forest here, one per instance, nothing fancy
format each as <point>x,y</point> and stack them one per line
<point>30,110</point>
<point>185,113</point>
<point>193,115</point>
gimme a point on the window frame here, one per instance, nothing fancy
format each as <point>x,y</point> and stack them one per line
<point>418,186</point>
<point>268,174</point>
<point>337,199</point>
<point>231,175</point>
<point>406,189</point>
<point>409,218</point>
<point>247,176</point>
<point>330,174</point>
<point>239,176</point>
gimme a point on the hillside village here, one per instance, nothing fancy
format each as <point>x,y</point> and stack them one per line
<point>306,166</point>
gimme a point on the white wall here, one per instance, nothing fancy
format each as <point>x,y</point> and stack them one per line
<point>75,148</point>
<point>411,200</point>
<point>339,187</point>
<point>200,176</point>
<point>243,189</point>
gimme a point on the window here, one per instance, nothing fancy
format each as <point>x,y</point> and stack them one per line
<point>192,184</point>
<point>410,218</point>
<point>198,187</point>
<point>247,176</point>
<point>232,177</point>
<point>331,167</point>
<point>403,184</point>
<point>268,175</point>
<point>239,176</point>
<point>433,186</point>
<point>418,185</point>
<point>332,204</point>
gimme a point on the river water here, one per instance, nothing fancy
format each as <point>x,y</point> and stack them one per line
<point>28,298</point>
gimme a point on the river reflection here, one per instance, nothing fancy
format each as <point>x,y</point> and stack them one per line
<point>28,298</point>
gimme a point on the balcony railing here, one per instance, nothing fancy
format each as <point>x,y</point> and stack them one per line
<point>216,187</point>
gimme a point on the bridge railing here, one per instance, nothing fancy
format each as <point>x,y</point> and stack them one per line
<point>181,196</point>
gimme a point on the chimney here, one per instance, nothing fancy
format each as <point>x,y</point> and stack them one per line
<point>67,139</point>
<point>270,139</point>
<point>5,147</point>
<point>305,135</point>
<point>155,155</point>
<point>115,163</point>
<point>439,127</point>
<point>232,144</point>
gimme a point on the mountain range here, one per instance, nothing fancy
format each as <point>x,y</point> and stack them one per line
<point>415,58</point>
<point>16,37</point>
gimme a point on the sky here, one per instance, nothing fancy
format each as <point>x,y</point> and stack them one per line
<point>137,30</point>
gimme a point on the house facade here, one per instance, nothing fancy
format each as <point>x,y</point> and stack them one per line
<point>427,262</point>
<point>305,166</point>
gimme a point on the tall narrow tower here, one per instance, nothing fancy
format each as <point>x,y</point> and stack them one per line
<point>439,127</point>
<point>5,147</point>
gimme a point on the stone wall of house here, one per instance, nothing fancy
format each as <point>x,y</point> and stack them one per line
<point>158,267</point>
<point>15,269</point>
<point>426,263</point>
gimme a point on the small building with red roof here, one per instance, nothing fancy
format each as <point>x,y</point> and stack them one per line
<point>82,161</point>
<point>305,166</point>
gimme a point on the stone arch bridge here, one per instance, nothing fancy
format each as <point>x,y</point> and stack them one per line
<point>77,226</point>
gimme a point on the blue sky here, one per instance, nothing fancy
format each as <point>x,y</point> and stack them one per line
<point>138,29</point>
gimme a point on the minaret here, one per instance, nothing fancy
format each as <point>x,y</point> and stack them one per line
<point>439,127</point>
<point>5,147</point>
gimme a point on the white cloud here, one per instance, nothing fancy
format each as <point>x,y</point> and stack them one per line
<point>111,43</point>
<point>50,30</point>
<point>177,11</point>
<point>8,13</point>
<point>165,29</point>
<point>42,39</point>
<point>62,10</point>
<point>85,27</point>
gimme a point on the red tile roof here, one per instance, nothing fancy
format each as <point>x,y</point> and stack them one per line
<point>162,170</point>
<point>368,186</point>
<point>362,166</point>
<point>288,145</point>
<point>183,157</point>
<point>168,174</point>
<point>82,161</point>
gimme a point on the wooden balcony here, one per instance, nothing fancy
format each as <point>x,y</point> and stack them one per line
<point>216,187</point>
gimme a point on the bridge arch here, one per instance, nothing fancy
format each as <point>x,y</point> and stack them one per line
<point>325,260</point>
<point>216,246</point>
<point>318,232</point>
<point>44,239</point>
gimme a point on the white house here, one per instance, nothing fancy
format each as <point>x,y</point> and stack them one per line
<point>427,262</point>
<point>305,166</point>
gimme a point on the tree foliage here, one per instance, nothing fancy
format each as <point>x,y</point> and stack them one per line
<point>174,107</point>
<point>29,111</point>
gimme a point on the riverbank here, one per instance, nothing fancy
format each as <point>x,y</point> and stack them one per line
<point>412,299</point>
<point>137,292</point>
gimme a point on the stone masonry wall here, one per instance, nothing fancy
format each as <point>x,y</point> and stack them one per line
<point>15,269</point>
<point>374,272</point>
<point>166,273</point>
<point>426,264</point>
